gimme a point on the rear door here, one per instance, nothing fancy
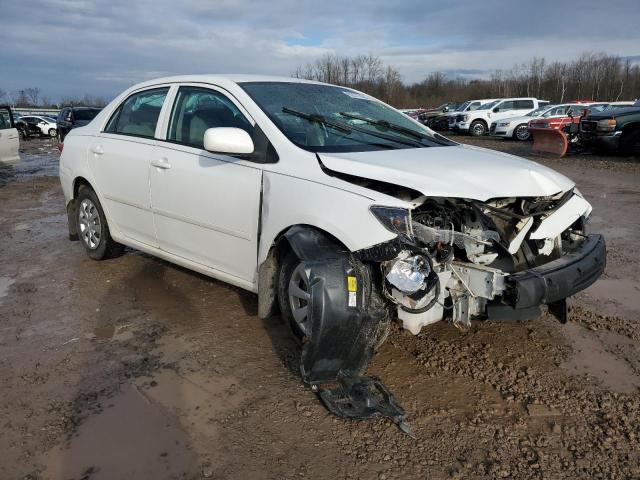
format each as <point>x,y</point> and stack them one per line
<point>9,141</point>
<point>119,159</point>
<point>206,205</point>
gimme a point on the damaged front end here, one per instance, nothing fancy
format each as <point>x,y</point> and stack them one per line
<point>504,258</point>
<point>455,259</point>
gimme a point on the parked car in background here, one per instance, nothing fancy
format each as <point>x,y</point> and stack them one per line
<point>427,115</point>
<point>477,123</point>
<point>390,221</point>
<point>25,129</point>
<point>563,115</point>
<point>9,137</point>
<point>448,119</point>
<point>72,117</point>
<point>615,130</point>
<point>517,127</point>
<point>43,125</point>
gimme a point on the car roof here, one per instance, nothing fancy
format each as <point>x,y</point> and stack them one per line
<point>223,79</point>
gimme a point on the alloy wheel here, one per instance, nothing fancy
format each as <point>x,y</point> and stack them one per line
<point>522,132</point>
<point>89,224</point>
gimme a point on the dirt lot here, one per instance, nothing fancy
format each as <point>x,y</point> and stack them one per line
<point>134,368</point>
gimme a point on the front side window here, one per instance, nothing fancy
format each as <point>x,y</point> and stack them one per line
<point>507,105</point>
<point>137,115</point>
<point>5,119</point>
<point>488,106</point>
<point>196,109</point>
<point>326,118</point>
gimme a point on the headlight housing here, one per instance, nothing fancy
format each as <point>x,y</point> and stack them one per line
<point>394,219</point>
<point>607,125</point>
<point>465,118</point>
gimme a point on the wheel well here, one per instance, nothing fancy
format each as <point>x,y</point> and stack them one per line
<point>632,127</point>
<point>268,270</point>
<point>479,120</point>
<point>77,183</point>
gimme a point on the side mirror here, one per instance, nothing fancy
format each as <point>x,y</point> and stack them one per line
<point>496,109</point>
<point>227,140</point>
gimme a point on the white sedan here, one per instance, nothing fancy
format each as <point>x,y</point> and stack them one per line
<point>46,125</point>
<point>336,209</point>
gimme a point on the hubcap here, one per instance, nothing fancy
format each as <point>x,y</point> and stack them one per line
<point>89,223</point>
<point>299,297</point>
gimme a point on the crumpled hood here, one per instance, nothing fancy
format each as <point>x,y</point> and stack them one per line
<point>456,171</point>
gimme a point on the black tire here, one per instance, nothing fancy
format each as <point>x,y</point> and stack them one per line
<point>53,132</point>
<point>519,133</point>
<point>89,212</point>
<point>288,265</point>
<point>478,128</point>
<point>630,143</point>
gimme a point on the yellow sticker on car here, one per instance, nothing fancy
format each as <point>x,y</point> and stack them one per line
<point>352,284</point>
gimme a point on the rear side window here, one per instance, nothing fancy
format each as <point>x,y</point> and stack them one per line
<point>524,105</point>
<point>197,109</point>
<point>138,115</point>
<point>5,119</point>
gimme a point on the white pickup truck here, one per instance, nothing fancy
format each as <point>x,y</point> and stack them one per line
<point>477,122</point>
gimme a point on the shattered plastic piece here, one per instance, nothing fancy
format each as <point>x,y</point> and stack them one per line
<point>364,397</point>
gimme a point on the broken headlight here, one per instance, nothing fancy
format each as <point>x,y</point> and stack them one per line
<point>409,274</point>
<point>397,220</point>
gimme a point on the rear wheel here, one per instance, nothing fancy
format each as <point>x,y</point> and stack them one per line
<point>522,133</point>
<point>478,128</point>
<point>92,227</point>
<point>53,132</point>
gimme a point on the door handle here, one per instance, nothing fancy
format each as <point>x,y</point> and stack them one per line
<point>98,150</point>
<point>161,163</point>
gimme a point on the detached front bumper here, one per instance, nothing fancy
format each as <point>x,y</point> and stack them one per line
<point>559,278</point>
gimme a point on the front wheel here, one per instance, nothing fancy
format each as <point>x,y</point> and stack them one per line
<point>53,132</point>
<point>92,227</point>
<point>521,133</point>
<point>478,128</point>
<point>294,295</point>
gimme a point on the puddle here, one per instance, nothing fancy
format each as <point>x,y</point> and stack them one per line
<point>5,283</point>
<point>592,355</point>
<point>200,400</point>
<point>131,438</point>
<point>613,295</point>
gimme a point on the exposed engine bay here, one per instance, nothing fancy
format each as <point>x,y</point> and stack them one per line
<point>458,254</point>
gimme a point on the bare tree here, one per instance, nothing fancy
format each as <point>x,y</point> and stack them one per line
<point>33,95</point>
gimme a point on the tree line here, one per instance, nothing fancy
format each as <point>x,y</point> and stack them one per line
<point>33,97</point>
<point>593,76</point>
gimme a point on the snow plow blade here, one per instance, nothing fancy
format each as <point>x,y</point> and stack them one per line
<point>549,140</point>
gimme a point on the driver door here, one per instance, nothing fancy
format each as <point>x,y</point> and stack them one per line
<point>206,205</point>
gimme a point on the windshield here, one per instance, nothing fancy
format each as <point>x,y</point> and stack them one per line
<point>86,114</point>
<point>489,105</point>
<point>538,111</point>
<point>463,107</point>
<point>325,118</point>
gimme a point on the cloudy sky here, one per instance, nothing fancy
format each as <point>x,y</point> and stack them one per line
<point>100,47</point>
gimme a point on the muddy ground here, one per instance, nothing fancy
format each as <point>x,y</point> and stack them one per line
<point>135,368</point>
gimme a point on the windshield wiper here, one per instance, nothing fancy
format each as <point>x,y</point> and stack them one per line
<point>387,125</point>
<point>312,117</point>
<point>350,128</point>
